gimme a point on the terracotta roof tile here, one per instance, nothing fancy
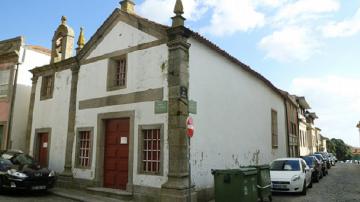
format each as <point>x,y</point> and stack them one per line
<point>39,49</point>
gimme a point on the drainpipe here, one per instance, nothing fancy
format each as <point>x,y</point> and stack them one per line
<point>8,143</point>
<point>287,127</point>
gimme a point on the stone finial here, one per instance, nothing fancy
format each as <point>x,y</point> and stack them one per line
<point>128,6</point>
<point>81,40</point>
<point>63,20</point>
<point>179,9</point>
<point>178,19</point>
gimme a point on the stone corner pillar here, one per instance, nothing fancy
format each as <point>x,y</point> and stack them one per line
<point>177,188</point>
<point>71,123</point>
<point>30,114</point>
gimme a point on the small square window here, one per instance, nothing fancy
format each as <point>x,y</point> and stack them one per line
<point>84,148</point>
<point>117,74</point>
<point>150,150</point>
<point>47,87</point>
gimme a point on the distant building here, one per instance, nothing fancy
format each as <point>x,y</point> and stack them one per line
<point>318,140</point>
<point>292,118</point>
<point>16,59</point>
<point>323,145</point>
<point>355,150</point>
<point>311,131</point>
<point>304,138</point>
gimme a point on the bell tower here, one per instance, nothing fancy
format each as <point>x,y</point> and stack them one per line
<point>62,42</point>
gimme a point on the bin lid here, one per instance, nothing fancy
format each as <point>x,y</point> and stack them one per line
<point>265,166</point>
<point>248,171</point>
<point>240,171</point>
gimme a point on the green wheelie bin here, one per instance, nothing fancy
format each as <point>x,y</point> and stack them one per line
<point>235,185</point>
<point>263,182</point>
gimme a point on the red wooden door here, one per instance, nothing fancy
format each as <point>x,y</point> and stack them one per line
<point>116,156</point>
<point>43,149</point>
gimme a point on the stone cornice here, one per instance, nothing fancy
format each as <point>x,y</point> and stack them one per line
<point>147,26</point>
<point>55,67</point>
<point>12,57</point>
<point>10,46</point>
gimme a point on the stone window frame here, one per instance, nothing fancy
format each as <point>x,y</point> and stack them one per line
<point>10,72</point>
<point>5,140</point>
<point>140,148</point>
<point>111,73</point>
<point>274,129</point>
<point>42,89</point>
<point>77,147</point>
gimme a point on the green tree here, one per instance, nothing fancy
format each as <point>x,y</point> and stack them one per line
<point>339,148</point>
<point>330,147</point>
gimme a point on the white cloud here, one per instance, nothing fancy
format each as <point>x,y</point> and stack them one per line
<point>162,10</point>
<point>269,3</point>
<point>290,43</point>
<point>227,17</point>
<point>336,101</point>
<point>294,22</point>
<point>233,16</point>
<point>303,9</point>
<point>343,28</point>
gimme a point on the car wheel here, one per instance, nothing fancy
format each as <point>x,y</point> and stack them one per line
<point>317,179</point>
<point>303,192</point>
<point>311,183</point>
<point>1,189</point>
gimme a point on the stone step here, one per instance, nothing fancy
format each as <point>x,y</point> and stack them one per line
<point>111,193</point>
<point>82,195</point>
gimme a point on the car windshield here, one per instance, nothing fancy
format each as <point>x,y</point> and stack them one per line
<point>319,156</point>
<point>286,165</point>
<point>309,161</point>
<point>23,159</point>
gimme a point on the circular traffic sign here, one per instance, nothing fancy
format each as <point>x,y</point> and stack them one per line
<point>190,127</point>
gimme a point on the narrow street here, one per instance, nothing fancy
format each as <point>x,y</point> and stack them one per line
<point>31,197</point>
<point>341,185</point>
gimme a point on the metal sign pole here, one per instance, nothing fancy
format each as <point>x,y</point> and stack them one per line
<point>189,197</point>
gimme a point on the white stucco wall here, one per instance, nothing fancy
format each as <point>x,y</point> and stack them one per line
<point>233,120</point>
<point>53,113</point>
<point>29,59</point>
<point>121,36</point>
<point>145,71</point>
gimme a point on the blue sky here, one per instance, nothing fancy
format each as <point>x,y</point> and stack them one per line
<point>307,47</point>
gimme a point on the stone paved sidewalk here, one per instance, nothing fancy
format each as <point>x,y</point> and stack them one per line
<point>83,196</point>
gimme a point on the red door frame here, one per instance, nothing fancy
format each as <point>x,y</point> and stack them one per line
<point>42,149</point>
<point>116,153</point>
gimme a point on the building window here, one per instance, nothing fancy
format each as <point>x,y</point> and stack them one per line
<point>47,87</point>
<point>4,82</point>
<point>84,148</point>
<point>117,74</point>
<point>274,129</point>
<point>151,142</point>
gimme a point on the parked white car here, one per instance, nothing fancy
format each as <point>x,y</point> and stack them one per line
<point>290,175</point>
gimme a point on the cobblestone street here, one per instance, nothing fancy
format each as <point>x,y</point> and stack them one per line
<point>341,185</point>
<point>31,197</point>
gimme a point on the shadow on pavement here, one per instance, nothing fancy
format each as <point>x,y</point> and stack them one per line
<point>24,194</point>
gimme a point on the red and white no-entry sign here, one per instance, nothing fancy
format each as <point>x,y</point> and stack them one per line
<point>190,126</point>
